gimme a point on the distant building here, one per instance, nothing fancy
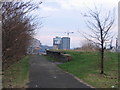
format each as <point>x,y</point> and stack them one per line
<point>113,49</point>
<point>44,48</point>
<point>65,43</point>
<point>34,46</point>
<point>57,43</point>
<point>61,43</point>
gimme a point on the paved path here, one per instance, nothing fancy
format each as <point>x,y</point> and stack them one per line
<point>45,74</point>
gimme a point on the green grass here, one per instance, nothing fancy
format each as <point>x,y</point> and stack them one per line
<point>86,66</point>
<point>51,59</point>
<point>16,76</point>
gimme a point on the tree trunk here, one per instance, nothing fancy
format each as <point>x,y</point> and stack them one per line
<point>102,60</point>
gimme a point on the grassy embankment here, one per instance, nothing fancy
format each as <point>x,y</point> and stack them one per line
<point>16,76</point>
<point>86,66</point>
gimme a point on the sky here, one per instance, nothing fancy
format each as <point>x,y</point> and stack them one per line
<point>60,16</point>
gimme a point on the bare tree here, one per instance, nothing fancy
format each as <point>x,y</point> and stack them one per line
<point>89,46</point>
<point>100,27</point>
<point>17,29</point>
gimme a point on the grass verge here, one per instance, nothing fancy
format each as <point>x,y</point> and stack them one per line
<point>86,66</point>
<point>16,76</point>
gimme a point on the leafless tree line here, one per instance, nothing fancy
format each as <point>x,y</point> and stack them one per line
<point>88,46</point>
<point>17,29</point>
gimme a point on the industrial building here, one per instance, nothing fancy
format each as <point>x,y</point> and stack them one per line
<point>57,43</point>
<point>61,43</point>
<point>65,43</point>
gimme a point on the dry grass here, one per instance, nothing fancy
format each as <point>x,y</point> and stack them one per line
<point>16,76</point>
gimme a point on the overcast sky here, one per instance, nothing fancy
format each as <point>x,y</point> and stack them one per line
<point>59,16</point>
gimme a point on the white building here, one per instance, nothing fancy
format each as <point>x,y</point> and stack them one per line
<point>34,46</point>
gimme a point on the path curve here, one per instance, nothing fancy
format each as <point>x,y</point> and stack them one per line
<point>45,74</point>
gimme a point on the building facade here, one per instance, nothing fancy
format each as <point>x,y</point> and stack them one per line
<point>61,43</point>
<point>57,43</point>
<point>65,43</point>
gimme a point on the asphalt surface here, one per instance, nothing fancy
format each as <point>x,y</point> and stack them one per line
<point>45,74</point>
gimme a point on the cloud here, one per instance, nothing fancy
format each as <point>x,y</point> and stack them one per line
<point>65,15</point>
<point>48,8</point>
<point>77,4</point>
<point>45,39</point>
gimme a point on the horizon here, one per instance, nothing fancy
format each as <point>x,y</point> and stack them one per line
<point>57,18</point>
